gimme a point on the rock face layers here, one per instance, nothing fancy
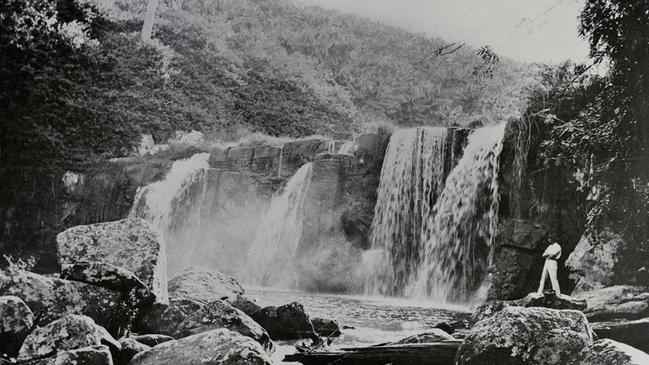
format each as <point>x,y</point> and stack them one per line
<point>129,244</point>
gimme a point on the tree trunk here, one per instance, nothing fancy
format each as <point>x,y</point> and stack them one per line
<point>149,18</point>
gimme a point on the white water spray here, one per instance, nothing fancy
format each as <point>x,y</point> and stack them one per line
<point>463,225</point>
<point>162,203</point>
<point>411,178</point>
<point>272,254</point>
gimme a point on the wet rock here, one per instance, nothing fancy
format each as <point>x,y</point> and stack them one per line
<point>16,321</point>
<point>217,347</point>
<point>526,336</point>
<point>130,348</point>
<point>130,244</point>
<point>450,329</point>
<point>634,333</point>
<point>51,298</point>
<point>616,302</point>
<point>93,355</point>
<point>489,309</point>
<point>245,305</point>
<point>433,335</point>
<point>609,352</point>
<point>204,285</point>
<point>287,322</point>
<point>326,327</point>
<point>219,314</point>
<point>152,340</point>
<point>68,333</point>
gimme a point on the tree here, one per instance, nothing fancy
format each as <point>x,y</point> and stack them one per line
<point>149,19</point>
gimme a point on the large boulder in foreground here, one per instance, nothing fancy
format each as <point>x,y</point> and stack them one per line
<point>286,322</point>
<point>219,314</point>
<point>130,348</point>
<point>526,336</point>
<point>50,299</point>
<point>68,333</point>
<point>93,355</point>
<point>204,285</point>
<point>609,352</point>
<point>130,244</point>
<point>216,347</point>
<point>16,321</point>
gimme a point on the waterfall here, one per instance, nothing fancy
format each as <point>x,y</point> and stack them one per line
<point>463,224</point>
<point>173,203</point>
<point>411,179</point>
<point>272,254</point>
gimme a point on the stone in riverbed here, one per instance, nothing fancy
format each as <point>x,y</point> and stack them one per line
<point>93,355</point>
<point>286,322</point>
<point>326,327</point>
<point>71,332</point>
<point>153,340</point>
<point>430,336</point>
<point>50,299</point>
<point>130,348</point>
<point>526,336</point>
<point>219,314</point>
<point>16,321</point>
<point>547,300</point>
<point>204,285</point>
<point>609,352</point>
<point>216,347</point>
<point>245,305</point>
<point>130,244</point>
<point>165,319</point>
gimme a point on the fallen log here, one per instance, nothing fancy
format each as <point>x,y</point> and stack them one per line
<point>438,353</point>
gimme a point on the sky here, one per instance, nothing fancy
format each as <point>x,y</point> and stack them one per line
<point>525,30</point>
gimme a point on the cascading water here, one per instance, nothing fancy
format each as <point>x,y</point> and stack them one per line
<point>272,254</point>
<point>463,224</point>
<point>411,179</point>
<point>171,203</point>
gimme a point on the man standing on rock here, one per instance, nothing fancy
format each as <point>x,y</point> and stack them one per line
<point>551,254</point>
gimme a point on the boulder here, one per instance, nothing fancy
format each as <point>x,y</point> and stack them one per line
<point>111,277</point>
<point>219,314</point>
<point>152,340</point>
<point>287,322</point>
<point>216,347</point>
<point>164,319</point>
<point>608,352</point>
<point>246,305</point>
<point>616,302</point>
<point>130,348</point>
<point>68,333</point>
<point>52,298</point>
<point>204,285</point>
<point>16,321</point>
<point>130,244</point>
<point>547,300</point>
<point>634,333</point>
<point>430,336</point>
<point>603,257</point>
<point>526,336</point>
<point>326,327</point>
<point>93,355</point>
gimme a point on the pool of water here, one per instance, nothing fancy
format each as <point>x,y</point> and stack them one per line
<point>374,319</point>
